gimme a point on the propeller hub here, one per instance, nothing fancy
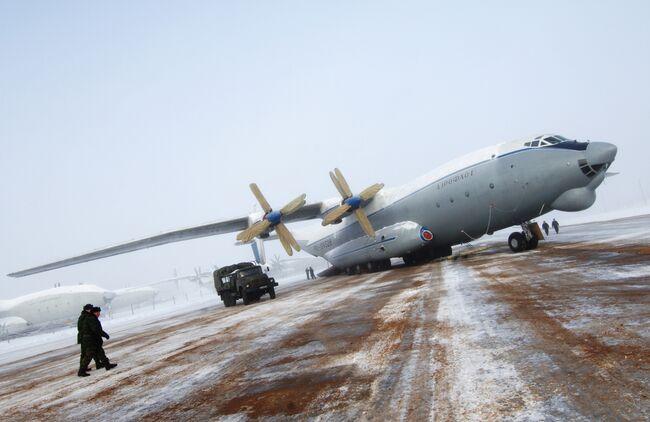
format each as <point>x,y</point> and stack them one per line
<point>274,217</point>
<point>354,202</point>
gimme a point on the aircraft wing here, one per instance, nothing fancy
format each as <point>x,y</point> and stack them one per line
<point>309,211</point>
<point>161,239</point>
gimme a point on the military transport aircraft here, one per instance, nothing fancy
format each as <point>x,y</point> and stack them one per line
<point>62,303</point>
<point>490,189</point>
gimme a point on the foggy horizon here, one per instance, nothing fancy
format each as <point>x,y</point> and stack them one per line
<point>121,121</point>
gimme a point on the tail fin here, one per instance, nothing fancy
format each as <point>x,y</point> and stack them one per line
<point>258,251</point>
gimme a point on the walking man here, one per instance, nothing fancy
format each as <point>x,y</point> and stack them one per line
<point>307,272</point>
<point>311,273</point>
<point>556,226</point>
<point>91,338</point>
<point>84,313</point>
<point>545,227</point>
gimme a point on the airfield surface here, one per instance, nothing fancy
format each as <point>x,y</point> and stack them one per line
<point>561,332</point>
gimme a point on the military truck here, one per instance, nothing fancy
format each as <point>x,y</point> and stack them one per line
<point>245,280</point>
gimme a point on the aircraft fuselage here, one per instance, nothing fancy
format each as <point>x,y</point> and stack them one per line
<point>491,189</point>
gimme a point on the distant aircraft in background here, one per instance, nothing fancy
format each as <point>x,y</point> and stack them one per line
<point>505,185</point>
<point>63,304</point>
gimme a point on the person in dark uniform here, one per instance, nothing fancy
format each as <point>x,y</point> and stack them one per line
<point>545,227</point>
<point>556,226</point>
<point>307,272</point>
<point>91,339</point>
<point>311,273</point>
<point>84,313</point>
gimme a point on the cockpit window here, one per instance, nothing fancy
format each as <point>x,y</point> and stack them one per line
<point>553,140</point>
<point>535,144</point>
<point>526,144</point>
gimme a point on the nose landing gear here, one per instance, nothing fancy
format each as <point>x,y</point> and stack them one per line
<point>527,239</point>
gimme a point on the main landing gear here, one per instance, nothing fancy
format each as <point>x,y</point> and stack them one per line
<point>369,267</point>
<point>426,254</point>
<point>526,239</point>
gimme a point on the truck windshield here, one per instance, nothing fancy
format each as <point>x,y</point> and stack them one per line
<point>250,271</point>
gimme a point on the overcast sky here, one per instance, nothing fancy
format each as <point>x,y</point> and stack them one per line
<point>120,120</point>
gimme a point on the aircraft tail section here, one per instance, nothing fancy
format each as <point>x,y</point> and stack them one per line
<point>258,251</point>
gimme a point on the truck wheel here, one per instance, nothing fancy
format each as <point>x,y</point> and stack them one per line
<point>246,298</point>
<point>272,293</point>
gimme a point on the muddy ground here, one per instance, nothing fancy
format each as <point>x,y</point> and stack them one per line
<point>561,332</point>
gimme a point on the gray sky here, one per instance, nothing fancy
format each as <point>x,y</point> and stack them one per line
<point>120,120</point>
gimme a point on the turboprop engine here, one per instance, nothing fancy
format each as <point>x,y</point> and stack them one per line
<point>351,203</point>
<point>272,220</point>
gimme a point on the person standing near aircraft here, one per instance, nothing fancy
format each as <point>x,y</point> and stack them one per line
<point>311,273</point>
<point>84,313</point>
<point>556,226</point>
<point>545,227</point>
<point>91,339</point>
<point>307,273</point>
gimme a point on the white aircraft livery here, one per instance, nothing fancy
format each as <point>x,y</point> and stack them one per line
<point>488,190</point>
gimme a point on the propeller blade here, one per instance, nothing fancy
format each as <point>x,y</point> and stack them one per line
<point>364,222</point>
<point>283,232</point>
<point>294,205</point>
<point>260,198</point>
<point>253,231</point>
<point>344,183</point>
<point>371,191</point>
<point>285,244</point>
<point>337,184</point>
<point>335,214</point>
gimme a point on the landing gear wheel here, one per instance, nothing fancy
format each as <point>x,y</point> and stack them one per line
<point>533,242</point>
<point>272,292</point>
<point>517,242</point>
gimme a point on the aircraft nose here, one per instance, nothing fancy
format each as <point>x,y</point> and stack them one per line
<point>600,153</point>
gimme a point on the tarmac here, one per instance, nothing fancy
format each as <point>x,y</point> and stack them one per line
<point>560,332</point>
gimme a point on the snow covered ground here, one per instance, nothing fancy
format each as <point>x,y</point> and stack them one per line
<point>560,332</point>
